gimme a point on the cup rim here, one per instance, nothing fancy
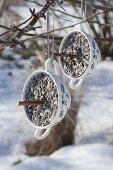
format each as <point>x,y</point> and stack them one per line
<point>90,59</point>
<point>26,82</point>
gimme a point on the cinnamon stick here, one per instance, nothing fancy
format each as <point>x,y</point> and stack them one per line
<point>28,103</point>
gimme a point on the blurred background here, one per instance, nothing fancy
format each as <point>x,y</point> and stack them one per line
<point>83,139</point>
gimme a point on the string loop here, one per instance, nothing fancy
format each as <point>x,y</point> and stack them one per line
<point>84,16</point>
<point>49,54</point>
<point>53,39</point>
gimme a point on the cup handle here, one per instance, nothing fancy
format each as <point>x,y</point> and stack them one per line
<point>74,84</point>
<point>52,61</point>
<point>40,136</point>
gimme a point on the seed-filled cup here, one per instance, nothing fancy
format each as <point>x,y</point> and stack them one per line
<point>84,55</point>
<point>46,85</point>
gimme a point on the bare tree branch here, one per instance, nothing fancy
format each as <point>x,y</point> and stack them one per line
<point>30,26</point>
<point>69,26</point>
<point>35,16</point>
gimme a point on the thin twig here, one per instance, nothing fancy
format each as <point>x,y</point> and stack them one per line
<point>35,2</point>
<point>1,7</point>
<point>69,26</point>
<point>16,26</point>
<point>30,26</point>
<point>34,18</point>
<point>78,17</point>
<point>5,27</point>
<point>105,39</point>
<point>60,38</point>
<point>107,6</point>
<point>19,32</point>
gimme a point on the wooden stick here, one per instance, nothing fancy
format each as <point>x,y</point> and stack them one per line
<point>63,55</point>
<point>27,103</point>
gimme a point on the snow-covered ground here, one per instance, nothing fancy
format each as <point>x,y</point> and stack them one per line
<point>96,111</point>
<point>92,152</point>
<point>85,157</point>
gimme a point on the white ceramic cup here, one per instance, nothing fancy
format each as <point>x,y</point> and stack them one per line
<point>64,99</point>
<point>94,54</point>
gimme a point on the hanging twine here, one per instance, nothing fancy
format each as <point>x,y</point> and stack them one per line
<point>48,34</point>
<point>53,39</point>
